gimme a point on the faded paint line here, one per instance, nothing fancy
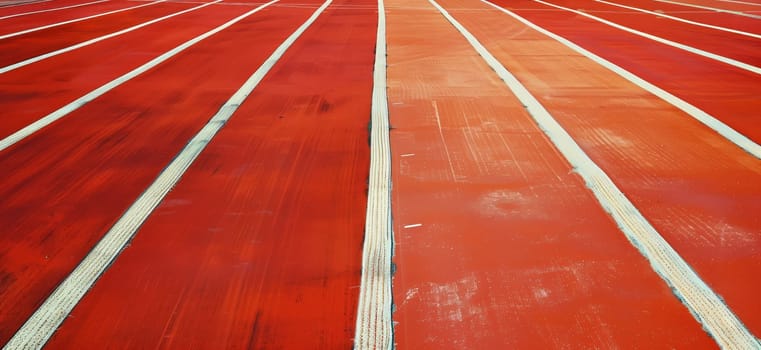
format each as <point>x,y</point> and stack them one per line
<point>374,329</point>
<point>708,120</point>
<point>690,49</point>
<point>53,9</point>
<point>43,323</point>
<point>98,39</point>
<point>27,31</point>
<point>738,13</point>
<point>741,2</point>
<point>92,95</point>
<point>7,4</point>
<point>699,24</point>
<point>705,305</point>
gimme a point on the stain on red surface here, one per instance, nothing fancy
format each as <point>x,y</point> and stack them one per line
<point>259,245</point>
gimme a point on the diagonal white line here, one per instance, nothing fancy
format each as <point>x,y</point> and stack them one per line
<point>92,95</point>
<point>51,10</point>
<point>7,4</point>
<point>27,31</point>
<point>710,8</point>
<point>729,30</point>
<point>98,39</point>
<point>741,2</point>
<point>373,327</point>
<point>684,47</point>
<point>705,305</point>
<point>43,323</point>
<point>722,129</point>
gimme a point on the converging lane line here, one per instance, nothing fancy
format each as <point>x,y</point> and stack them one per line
<point>92,95</point>
<point>757,36</point>
<point>684,47</point>
<point>27,31</point>
<point>51,10</point>
<point>98,39</point>
<point>715,124</point>
<point>43,323</point>
<point>704,304</point>
<point>374,326</point>
<point>738,13</point>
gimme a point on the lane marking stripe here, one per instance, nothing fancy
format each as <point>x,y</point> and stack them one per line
<point>43,323</point>
<point>51,10</point>
<point>6,4</point>
<point>92,95</point>
<point>374,329</point>
<point>714,124</point>
<point>6,36</point>
<point>757,36</point>
<point>704,304</point>
<point>710,8</point>
<point>741,2</point>
<point>684,47</point>
<point>98,39</point>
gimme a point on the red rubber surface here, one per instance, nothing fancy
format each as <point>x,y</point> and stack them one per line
<point>272,216</point>
<point>726,20</point>
<point>118,144</point>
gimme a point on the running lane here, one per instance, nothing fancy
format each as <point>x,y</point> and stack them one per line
<point>16,49</point>
<point>34,91</point>
<point>741,48</point>
<point>726,20</point>
<point>723,91</point>
<point>700,191</point>
<point>41,6</point>
<point>69,183</point>
<point>260,241</point>
<point>491,249</point>
<point>12,25</point>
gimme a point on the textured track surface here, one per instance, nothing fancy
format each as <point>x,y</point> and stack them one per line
<point>498,240</point>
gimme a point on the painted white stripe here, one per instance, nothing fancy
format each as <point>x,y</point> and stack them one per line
<point>53,9</point>
<point>374,330</point>
<point>741,2</point>
<point>705,305</point>
<point>413,225</point>
<point>682,19</point>
<point>92,95</point>
<point>722,129</point>
<point>43,323</point>
<point>687,48</point>
<point>27,31</point>
<point>710,8</point>
<point>98,39</point>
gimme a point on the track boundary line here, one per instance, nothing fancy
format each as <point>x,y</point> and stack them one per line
<point>705,25</point>
<point>23,3</point>
<point>738,13</point>
<point>707,308</point>
<point>690,49</point>
<point>100,38</point>
<point>92,95</point>
<point>374,327</point>
<point>706,119</point>
<point>51,10</point>
<point>31,30</point>
<point>43,323</point>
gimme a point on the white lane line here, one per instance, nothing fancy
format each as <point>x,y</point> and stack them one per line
<point>705,305</point>
<point>738,13</point>
<point>757,36</point>
<point>374,330</point>
<point>708,120</point>
<point>687,48</point>
<point>27,31</point>
<point>101,38</point>
<point>43,323</point>
<point>413,225</point>
<point>53,9</point>
<point>741,2</point>
<point>407,155</point>
<point>74,105</point>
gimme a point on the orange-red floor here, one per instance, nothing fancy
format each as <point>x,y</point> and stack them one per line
<point>498,241</point>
